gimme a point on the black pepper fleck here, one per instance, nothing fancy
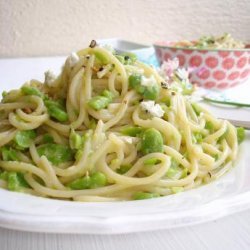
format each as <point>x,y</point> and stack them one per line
<point>164,85</point>
<point>92,44</point>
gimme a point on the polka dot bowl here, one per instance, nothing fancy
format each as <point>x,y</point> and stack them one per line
<point>213,69</point>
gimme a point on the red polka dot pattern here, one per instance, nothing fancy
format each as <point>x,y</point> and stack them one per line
<point>204,74</point>
<point>167,56</point>
<point>242,62</point>
<point>210,69</point>
<point>195,61</point>
<point>219,75</point>
<point>211,62</point>
<point>181,60</point>
<point>233,75</point>
<point>228,63</point>
<point>223,53</point>
<point>238,53</point>
<point>222,85</point>
<point>209,84</point>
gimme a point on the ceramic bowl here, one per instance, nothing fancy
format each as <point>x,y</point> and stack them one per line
<point>209,68</point>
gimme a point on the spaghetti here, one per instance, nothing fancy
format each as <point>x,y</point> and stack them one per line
<point>106,129</point>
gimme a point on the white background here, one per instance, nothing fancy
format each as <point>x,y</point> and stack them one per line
<point>56,27</point>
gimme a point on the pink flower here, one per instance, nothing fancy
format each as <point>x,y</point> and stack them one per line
<point>168,67</point>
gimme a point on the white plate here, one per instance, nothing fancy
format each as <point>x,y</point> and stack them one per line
<point>223,197</point>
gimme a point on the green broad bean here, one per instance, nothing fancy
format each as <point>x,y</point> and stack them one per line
<point>4,175</point>
<point>175,171</point>
<point>56,153</point>
<point>81,183</point>
<point>151,161</point>
<point>197,137</point>
<point>16,181</point>
<point>47,138</point>
<point>123,169</point>
<point>98,179</point>
<point>144,195</point>
<point>102,58</point>
<point>152,92</point>
<point>148,92</point>
<point>94,180</point>
<point>151,141</point>
<point>23,139</point>
<point>9,154</point>
<point>134,80</point>
<point>56,110</point>
<point>241,134</point>
<point>108,94</point>
<point>75,140</point>
<point>78,154</point>
<point>92,124</point>
<point>209,126</point>
<point>4,93</point>
<point>58,114</point>
<point>28,90</point>
<point>132,131</point>
<point>99,102</point>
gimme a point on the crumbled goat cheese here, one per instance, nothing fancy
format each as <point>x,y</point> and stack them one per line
<point>148,82</point>
<point>129,140</point>
<point>182,74</point>
<point>73,59</point>
<point>154,109</point>
<point>49,77</point>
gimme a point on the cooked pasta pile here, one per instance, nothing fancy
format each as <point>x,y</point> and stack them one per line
<point>108,128</point>
<point>225,41</point>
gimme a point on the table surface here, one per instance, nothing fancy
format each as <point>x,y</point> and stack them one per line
<point>232,232</point>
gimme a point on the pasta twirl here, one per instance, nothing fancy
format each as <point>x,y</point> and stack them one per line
<point>108,128</point>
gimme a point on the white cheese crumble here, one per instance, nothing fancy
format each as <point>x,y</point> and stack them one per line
<point>182,73</point>
<point>73,59</point>
<point>49,77</point>
<point>148,82</point>
<point>129,139</point>
<point>154,109</point>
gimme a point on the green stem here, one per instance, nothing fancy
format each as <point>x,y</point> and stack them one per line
<point>232,103</point>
